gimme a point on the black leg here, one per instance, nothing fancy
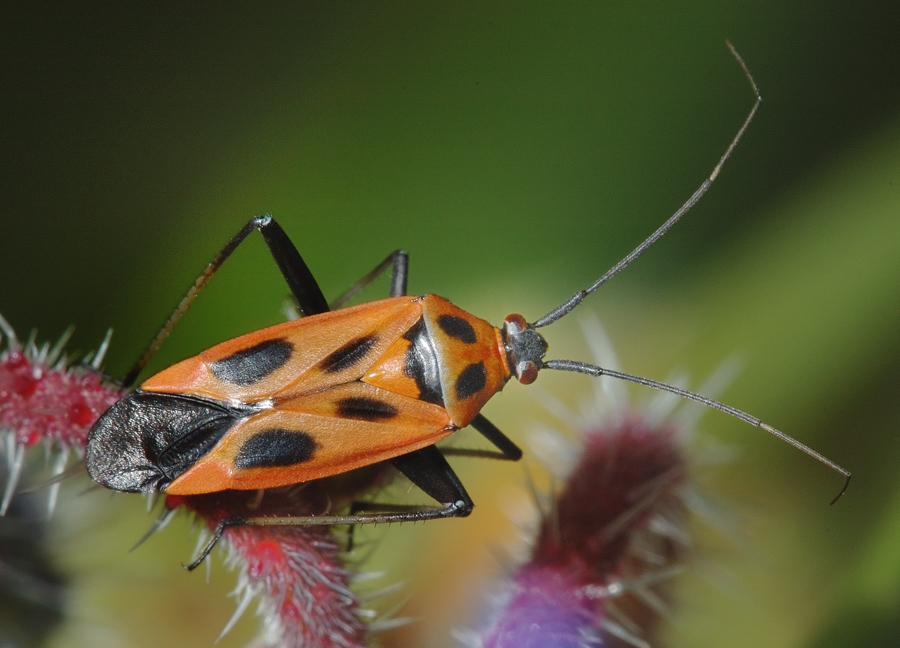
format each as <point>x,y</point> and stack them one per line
<point>428,469</point>
<point>216,536</point>
<point>391,513</point>
<point>295,271</point>
<point>357,508</point>
<point>398,261</point>
<point>399,273</point>
<point>509,450</point>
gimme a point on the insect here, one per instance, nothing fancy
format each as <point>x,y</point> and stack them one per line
<point>342,388</point>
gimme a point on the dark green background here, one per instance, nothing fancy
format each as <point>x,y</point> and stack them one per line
<point>516,150</point>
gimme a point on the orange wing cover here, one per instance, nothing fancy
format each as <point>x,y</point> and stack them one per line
<point>310,414</point>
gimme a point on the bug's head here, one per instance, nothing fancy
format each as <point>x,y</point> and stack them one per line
<point>525,348</point>
<point>146,440</point>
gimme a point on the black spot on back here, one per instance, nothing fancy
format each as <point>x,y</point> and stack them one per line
<point>422,364</point>
<point>457,327</point>
<point>276,448</point>
<point>365,409</point>
<point>348,355</point>
<point>251,365</point>
<point>471,381</point>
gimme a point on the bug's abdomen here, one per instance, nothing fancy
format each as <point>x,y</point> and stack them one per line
<point>450,358</point>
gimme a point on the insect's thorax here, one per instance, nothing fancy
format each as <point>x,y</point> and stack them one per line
<point>448,357</point>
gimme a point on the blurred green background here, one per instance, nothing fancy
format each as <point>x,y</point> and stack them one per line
<point>516,150</point>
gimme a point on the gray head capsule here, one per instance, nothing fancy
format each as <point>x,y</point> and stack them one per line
<point>525,348</point>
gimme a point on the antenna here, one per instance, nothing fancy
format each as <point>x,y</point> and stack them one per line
<point>528,346</point>
<point>566,307</point>
<point>594,370</point>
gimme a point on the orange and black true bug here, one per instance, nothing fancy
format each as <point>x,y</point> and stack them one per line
<point>340,389</point>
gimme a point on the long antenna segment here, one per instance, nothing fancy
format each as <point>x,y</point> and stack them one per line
<point>570,304</point>
<point>594,370</point>
<point>566,307</point>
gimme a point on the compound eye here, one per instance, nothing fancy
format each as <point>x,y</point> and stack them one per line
<point>526,372</point>
<point>515,323</point>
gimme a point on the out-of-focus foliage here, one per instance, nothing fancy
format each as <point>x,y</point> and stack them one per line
<point>516,151</point>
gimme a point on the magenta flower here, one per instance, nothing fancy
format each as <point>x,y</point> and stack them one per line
<point>609,542</point>
<point>43,397</point>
